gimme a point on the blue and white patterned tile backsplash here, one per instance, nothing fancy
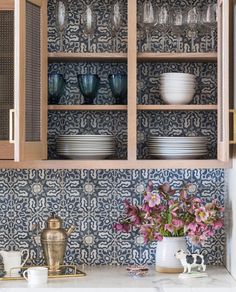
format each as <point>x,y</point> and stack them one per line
<point>93,200</point>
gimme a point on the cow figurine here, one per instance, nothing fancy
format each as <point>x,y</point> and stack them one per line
<point>190,261</point>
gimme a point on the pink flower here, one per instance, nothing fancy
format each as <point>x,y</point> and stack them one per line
<point>183,194</point>
<point>218,224</point>
<point>192,227</point>
<point>157,236</point>
<point>146,232</point>
<point>122,227</point>
<point>178,223</point>
<point>149,188</point>
<point>171,202</point>
<point>160,214</point>
<point>169,227</point>
<point>201,214</point>
<point>166,188</point>
<point>153,199</point>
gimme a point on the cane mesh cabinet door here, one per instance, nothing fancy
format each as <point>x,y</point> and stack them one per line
<point>6,76</point>
<point>30,118</point>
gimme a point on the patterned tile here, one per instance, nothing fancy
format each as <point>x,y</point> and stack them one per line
<point>170,38</point>
<point>76,40</point>
<point>171,123</point>
<point>93,200</point>
<point>149,81</point>
<point>107,122</point>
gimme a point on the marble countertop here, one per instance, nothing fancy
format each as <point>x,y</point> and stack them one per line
<point>102,277</point>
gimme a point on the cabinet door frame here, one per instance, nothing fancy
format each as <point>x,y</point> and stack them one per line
<point>224,77</point>
<point>25,151</point>
<point>6,148</point>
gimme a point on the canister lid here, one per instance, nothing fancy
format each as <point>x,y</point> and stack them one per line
<point>54,221</point>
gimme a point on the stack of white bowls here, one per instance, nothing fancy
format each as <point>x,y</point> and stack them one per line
<point>177,147</point>
<point>91,147</point>
<point>177,88</point>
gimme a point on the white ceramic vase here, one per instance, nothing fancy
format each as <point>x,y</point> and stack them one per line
<point>166,261</point>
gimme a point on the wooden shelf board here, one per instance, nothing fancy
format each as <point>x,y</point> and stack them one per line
<point>180,57</point>
<point>86,57</point>
<point>115,164</point>
<point>232,111</point>
<point>87,107</point>
<point>188,107</point>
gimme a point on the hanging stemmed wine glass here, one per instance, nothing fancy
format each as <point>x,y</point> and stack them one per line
<point>163,22</point>
<point>147,21</point>
<point>177,22</point>
<point>210,21</point>
<point>116,20</point>
<point>192,21</point>
<point>89,23</point>
<point>61,14</point>
<point>205,27</point>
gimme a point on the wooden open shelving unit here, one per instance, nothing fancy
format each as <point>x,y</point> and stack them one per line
<point>87,57</point>
<point>132,57</point>
<point>179,107</point>
<point>177,57</point>
<point>122,57</point>
<point>87,107</point>
<point>141,107</point>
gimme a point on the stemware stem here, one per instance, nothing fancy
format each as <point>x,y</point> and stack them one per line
<point>212,40</point>
<point>149,40</point>
<point>61,40</point>
<point>163,42</point>
<point>192,42</point>
<point>116,41</point>
<point>89,42</point>
<point>178,43</point>
<point>206,42</point>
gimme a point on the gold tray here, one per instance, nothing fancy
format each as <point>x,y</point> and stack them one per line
<point>71,271</point>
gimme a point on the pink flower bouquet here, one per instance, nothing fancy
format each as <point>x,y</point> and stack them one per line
<point>166,212</point>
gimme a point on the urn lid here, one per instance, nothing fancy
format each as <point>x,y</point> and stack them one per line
<point>54,222</point>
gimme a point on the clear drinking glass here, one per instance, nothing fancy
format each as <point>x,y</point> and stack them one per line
<point>192,22</point>
<point>163,23</point>
<point>147,21</point>
<point>209,23</point>
<point>61,14</point>
<point>177,24</point>
<point>89,22</point>
<point>116,21</point>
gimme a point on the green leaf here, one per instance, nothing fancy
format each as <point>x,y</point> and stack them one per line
<point>169,217</point>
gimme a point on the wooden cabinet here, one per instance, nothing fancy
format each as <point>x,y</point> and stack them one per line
<point>6,77</point>
<point>23,90</point>
<point>30,117</point>
<point>31,140</point>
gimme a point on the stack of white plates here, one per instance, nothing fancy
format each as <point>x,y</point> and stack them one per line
<point>86,146</point>
<point>177,88</point>
<point>177,147</point>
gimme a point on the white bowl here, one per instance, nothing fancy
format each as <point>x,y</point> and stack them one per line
<point>179,89</point>
<point>177,83</point>
<point>177,97</point>
<point>178,75</point>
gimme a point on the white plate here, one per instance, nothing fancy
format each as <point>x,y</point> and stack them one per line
<point>86,136</point>
<point>177,156</point>
<point>178,138</point>
<point>182,152</point>
<point>87,152</point>
<point>86,157</point>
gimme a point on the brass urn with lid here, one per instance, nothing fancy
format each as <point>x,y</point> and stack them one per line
<point>54,241</point>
